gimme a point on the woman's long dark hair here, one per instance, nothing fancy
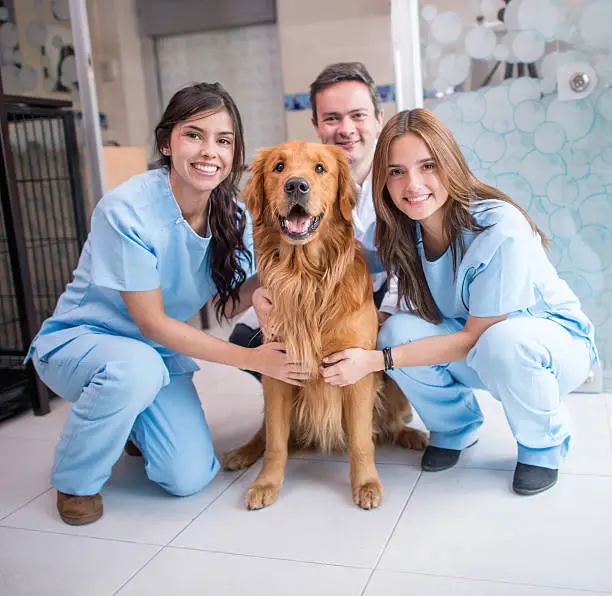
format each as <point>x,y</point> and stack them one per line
<point>227,218</point>
<point>395,234</point>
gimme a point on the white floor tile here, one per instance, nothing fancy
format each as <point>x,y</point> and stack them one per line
<point>591,449</point>
<point>135,509</point>
<point>468,523</point>
<point>39,428</point>
<point>384,583</point>
<point>608,401</point>
<point>462,531</point>
<point>314,518</point>
<point>37,563</point>
<point>232,418</point>
<point>24,471</point>
<point>192,573</point>
<point>590,452</point>
<point>496,447</point>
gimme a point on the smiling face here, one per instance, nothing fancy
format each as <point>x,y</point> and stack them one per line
<point>201,150</point>
<point>346,117</point>
<point>413,179</point>
<point>300,188</point>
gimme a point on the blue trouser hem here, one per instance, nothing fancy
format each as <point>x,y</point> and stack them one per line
<point>453,441</point>
<point>550,457</point>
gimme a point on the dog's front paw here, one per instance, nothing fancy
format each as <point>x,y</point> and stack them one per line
<point>369,495</point>
<point>412,438</point>
<point>261,495</point>
<point>243,457</point>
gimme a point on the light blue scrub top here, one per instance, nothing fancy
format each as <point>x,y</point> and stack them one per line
<point>139,241</point>
<point>504,270</point>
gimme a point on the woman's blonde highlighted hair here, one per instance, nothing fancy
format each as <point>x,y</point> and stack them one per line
<point>395,236</point>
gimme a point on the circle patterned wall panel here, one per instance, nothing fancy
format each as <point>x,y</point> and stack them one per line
<point>553,156</point>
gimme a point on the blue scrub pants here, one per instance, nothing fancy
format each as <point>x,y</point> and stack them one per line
<point>526,363</point>
<point>120,388</point>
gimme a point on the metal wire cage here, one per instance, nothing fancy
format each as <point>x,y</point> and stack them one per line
<point>42,231</point>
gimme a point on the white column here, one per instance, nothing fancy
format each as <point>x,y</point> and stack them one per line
<point>88,97</point>
<point>406,41</point>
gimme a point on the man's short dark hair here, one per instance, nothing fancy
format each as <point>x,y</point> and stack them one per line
<point>338,73</point>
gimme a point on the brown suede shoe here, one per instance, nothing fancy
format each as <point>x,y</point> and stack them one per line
<point>79,510</point>
<point>132,449</point>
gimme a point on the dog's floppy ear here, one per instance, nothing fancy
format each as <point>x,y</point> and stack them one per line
<point>253,193</point>
<point>347,193</point>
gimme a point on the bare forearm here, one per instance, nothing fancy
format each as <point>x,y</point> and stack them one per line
<point>188,340</point>
<point>437,349</point>
<point>348,366</point>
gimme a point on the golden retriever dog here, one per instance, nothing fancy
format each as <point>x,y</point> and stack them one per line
<point>301,198</point>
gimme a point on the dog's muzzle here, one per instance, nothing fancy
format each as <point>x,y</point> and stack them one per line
<point>298,224</point>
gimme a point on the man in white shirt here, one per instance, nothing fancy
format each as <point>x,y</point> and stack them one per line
<point>346,112</point>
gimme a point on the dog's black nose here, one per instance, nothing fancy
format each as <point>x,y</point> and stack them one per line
<point>297,186</point>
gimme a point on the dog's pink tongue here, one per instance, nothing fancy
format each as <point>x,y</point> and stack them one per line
<point>298,224</point>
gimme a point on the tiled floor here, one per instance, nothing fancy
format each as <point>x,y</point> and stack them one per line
<point>462,531</point>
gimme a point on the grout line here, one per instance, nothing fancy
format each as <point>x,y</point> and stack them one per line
<point>457,467</point>
<point>238,477</point>
<point>24,505</point>
<point>584,474</point>
<point>265,558</point>
<point>69,535</point>
<point>384,548</point>
<point>123,540</point>
<point>501,582</point>
<point>129,579</point>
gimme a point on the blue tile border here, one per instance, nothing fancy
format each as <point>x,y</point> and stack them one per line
<point>387,93</point>
<point>295,102</point>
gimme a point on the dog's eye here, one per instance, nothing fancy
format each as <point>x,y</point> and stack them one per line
<point>279,167</point>
<point>319,169</point>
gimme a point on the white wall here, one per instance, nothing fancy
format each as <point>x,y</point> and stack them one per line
<point>122,66</point>
<point>245,61</point>
<point>316,33</point>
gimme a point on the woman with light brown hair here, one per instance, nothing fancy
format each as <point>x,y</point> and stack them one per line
<point>475,303</point>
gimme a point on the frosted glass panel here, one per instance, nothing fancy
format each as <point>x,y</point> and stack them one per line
<point>502,82</point>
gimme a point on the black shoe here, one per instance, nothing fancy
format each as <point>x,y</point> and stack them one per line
<point>436,459</point>
<point>531,480</point>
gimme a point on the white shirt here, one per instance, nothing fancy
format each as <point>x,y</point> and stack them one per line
<point>364,221</point>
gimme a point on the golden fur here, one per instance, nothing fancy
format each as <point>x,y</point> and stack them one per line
<point>322,303</point>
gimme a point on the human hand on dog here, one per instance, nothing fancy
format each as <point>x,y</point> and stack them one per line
<point>350,365</point>
<point>272,360</point>
<point>262,303</point>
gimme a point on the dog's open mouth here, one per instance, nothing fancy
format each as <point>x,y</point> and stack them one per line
<point>299,225</point>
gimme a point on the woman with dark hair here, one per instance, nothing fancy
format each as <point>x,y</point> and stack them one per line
<point>476,304</point>
<point>118,345</point>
